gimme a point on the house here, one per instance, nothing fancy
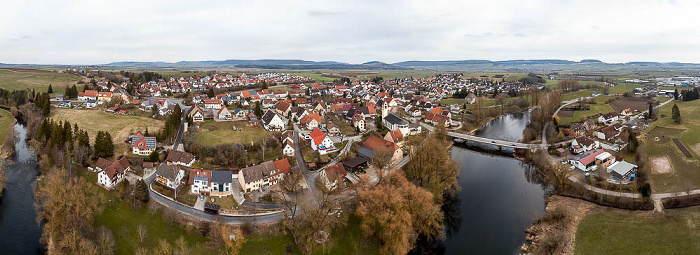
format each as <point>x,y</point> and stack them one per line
<point>142,145</point>
<point>626,112</point>
<point>376,144</point>
<point>332,176</point>
<point>176,157</point>
<point>91,103</point>
<point>623,170</point>
<point>609,132</point>
<point>199,180</point>
<point>395,136</point>
<point>263,175</point>
<point>65,104</point>
<point>88,95</point>
<point>584,144</point>
<point>213,103</point>
<point>196,114</point>
<point>284,108</point>
<point>104,96</point>
<point>224,114</point>
<point>221,182</point>
<point>333,130</point>
<point>272,121</point>
<point>591,160</point>
<point>608,118</point>
<point>239,114</point>
<point>169,175</point>
<point>311,121</point>
<point>392,122</point>
<point>321,142</point>
<point>414,129</point>
<point>288,148</point>
<point>470,99</point>
<point>589,125</point>
<point>358,121</point>
<point>111,173</point>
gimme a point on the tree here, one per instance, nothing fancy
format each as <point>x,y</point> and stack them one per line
<point>431,167</point>
<point>154,156</point>
<point>163,248</point>
<point>140,194</point>
<point>50,90</point>
<point>103,144</point>
<point>633,142</point>
<point>210,93</point>
<point>676,114</point>
<point>258,109</point>
<point>650,113</point>
<point>105,241</point>
<point>397,212</point>
<point>675,94</point>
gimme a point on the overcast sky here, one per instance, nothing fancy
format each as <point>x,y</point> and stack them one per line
<point>92,32</point>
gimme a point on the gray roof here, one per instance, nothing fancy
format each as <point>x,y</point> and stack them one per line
<point>257,172</point>
<point>393,119</point>
<point>221,176</point>
<point>167,171</point>
<point>268,116</point>
<point>622,167</point>
<point>365,152</point>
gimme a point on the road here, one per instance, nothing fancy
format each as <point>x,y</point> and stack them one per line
<point>309,176</point>
<point>485,140</point>
<point>236,220</point>
<point>178,139</point>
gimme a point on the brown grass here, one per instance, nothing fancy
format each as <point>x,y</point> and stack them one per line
<point>635,103</point>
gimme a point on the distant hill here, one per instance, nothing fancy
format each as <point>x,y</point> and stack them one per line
<point>522,65</point>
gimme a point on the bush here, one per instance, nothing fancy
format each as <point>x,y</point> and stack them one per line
<point>682,201</point>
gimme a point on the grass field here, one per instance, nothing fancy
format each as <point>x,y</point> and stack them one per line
<point>215,133</point>
<point>686,171</point>
<point>122,219</point>
<point>618,232</point>
<point>119,126</point>
<point>345,240</point>
<point>595,109</point>
<point>11,80</point>
<point>621,88</point>
<point>578,94</point>
<point>6,121</point>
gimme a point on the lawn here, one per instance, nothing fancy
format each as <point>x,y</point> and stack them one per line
<point>11,80</point>
<point>621,88</point>
<point>450,101</point>
<point>348,239</point>
<point>6,121</point>
<point>595,109</point>
<point>119,126</point>
<point>122,219</point>
<point>214,133</point>
<point>618,232</point>
<point>686,171</point>
<point>578,94</point>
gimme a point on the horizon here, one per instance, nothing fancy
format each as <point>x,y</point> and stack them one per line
<point>78,32</point>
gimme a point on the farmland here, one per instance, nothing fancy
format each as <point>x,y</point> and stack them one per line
<point>119,126</point>
<point>35,79</point>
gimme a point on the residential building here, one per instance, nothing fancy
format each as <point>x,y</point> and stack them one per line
<point>142,145</point>
<point>592,160</point>
<point>263,175</point>
<point>393,122</point>
<point>88,95</point>
<point>169,175</point>
<point>213,103</point>
<point>395,136</point>
<point>376,144</point>
<point>221,183</point>
<point>111,173</point>
<point>321,142</point>
<point>584,144</point>
<point>196,114</point>
<point>199,180</point>
<point>272,121</point>
<point>176,157</point>
<point>224,114</point>
<point>608,118</point>
<point>332,176</point>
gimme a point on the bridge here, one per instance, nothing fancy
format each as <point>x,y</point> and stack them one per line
<point>484,140</point>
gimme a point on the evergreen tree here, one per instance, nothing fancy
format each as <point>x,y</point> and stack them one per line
<point>675,94</point>
<point>650,113</point>
<point>676,114</point>
<point>210,93</point>
<point>633,142</point>
<point>258,110</point>
<point>86,87</point>
<point>50,89</point>
<point>154,156</point>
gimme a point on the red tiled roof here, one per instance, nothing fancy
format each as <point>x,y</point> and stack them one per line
<point>374,143</point>
<point>317,135</point>
<point>283,165</point>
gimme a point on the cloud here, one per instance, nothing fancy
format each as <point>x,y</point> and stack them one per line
<point>85,32</point>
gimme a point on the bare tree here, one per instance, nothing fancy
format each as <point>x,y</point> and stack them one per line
<point>142,231</point>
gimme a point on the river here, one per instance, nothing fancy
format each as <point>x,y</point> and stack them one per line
<point>499,198</point>
<point>19,231</point>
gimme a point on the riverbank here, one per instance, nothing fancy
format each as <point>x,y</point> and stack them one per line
<point>555,232</point>
<point>7,149</point>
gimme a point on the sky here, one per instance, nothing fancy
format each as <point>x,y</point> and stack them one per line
<point>99,32</point>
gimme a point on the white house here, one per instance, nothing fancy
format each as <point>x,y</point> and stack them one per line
<point>220,184</point>
<point>111,173</point>
<point>288,148</point>
<point>392,122</point>
<point>199,181</point>
<point>213,103</point>
<point>197,114</point>
<point>268,173</point>
<point>169,175</point>
<point>224,114</point>
<point>608,118</point>
<point>321,142</point>
<point>332,176</point>
<point>142,145</point>
<point>584,144</point>
<point>272,121</point>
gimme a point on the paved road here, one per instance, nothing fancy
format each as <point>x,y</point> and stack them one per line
<point>485,140</point>
<point>178,139</point>
<point>309,176</point>
<point>236,220</point>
